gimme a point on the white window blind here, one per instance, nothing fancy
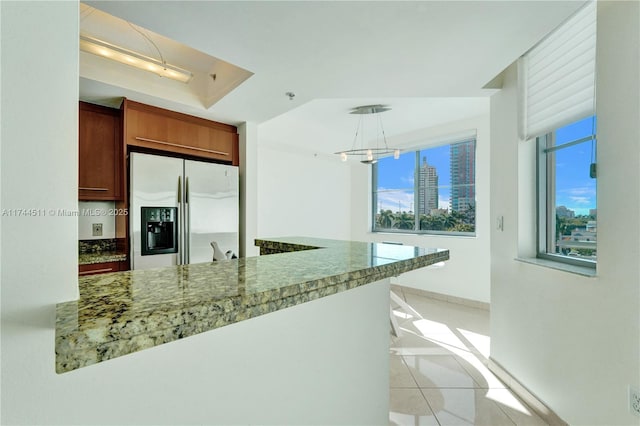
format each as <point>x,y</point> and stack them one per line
<point>558,85</point>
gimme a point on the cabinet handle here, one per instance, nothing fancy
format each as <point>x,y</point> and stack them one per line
<point>138,138</point>
<point>95,271</point>
<point>93,189</point>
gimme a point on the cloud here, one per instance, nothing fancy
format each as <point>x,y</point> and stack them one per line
<point>580,191</point>
<point>394,200</point>
<point>581,200</point>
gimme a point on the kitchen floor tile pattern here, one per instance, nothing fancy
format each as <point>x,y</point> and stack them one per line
<point>438,373</point>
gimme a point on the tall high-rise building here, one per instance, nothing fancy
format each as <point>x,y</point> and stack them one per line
<point>563,211</point>
<point>427,188</point>
<point>463,175</point>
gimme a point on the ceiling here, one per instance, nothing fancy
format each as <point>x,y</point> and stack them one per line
<point>428,60</point>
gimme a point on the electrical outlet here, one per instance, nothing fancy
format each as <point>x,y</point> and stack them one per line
<point>634,400</point>
<point>97,229</point>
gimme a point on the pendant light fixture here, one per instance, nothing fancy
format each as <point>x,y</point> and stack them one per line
<point>368,152</point>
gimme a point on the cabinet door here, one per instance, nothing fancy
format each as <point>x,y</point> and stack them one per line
<point>162,130</point>
<point>101,268</point>
<point>100,153</point>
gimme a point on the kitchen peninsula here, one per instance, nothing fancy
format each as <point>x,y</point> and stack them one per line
<point>125,312</point>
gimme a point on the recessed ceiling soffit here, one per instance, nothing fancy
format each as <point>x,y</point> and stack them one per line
<point>210,78</point>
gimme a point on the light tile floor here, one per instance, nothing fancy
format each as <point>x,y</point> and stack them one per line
<point>438,372</point>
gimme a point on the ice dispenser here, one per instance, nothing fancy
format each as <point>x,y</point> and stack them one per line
<point>159,230</point>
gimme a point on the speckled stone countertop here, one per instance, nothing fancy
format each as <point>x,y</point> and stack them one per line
<point>92,258</point>
<point>101,251</point>
<point>125,312</point>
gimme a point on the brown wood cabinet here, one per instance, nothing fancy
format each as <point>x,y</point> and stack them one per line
<point>102,268</point>
<point>100,153</point>
<point>155,128</point>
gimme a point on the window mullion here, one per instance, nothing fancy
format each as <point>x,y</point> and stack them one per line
<point>541,185</point>
<point>551,195</point>
<point>374,196</point>
<point>416,192</point>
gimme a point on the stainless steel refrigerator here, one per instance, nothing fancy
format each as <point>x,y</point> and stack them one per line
<point>180,209</point>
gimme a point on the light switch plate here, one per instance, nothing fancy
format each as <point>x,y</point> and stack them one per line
<point>96,229</point>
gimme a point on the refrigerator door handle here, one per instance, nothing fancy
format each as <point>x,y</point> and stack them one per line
<point>187,215</point>
<point>179,189</point>
<point>180,223</point>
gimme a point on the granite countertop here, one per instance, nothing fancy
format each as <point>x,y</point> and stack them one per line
<point>100,257</point>
<point>125,312</point>
<point>101,251</point>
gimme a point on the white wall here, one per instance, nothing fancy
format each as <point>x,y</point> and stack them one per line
<point>214,377</point>
<point>574,341</point>
<point>248,139</point>
<point>302,194</point>
<point>466,274</point>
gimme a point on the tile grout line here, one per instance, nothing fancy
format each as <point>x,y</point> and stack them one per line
<point>420,390</point>
<point>476,384</point>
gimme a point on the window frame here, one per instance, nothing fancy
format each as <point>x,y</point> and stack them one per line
<point>416,175</point>
<point>545,206</point>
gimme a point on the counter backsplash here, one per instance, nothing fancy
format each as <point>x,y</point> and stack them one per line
<point>97,246</point>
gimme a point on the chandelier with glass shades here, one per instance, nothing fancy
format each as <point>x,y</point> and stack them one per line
<point>369,151</point>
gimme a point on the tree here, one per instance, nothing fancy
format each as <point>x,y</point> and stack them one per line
<point>470,214</point>
<point>564,225</point>
<point>463,227</point>
<point>405,220</point>
<point>452,219</point>
<point>386,219</point>
<point>585,252</point>
<point>432,222</point>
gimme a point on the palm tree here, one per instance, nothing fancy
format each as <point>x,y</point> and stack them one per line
<point>424,221</point>
<point>452,219</point>
<point>386,219</point>
<point>406,221</point>
<point>432,223</point>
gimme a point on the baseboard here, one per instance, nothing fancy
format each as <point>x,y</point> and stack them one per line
<point>541,409</point>
<point>444,297</point>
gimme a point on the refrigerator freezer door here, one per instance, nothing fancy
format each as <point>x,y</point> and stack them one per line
<point>212,208</point>
<point>154,183</point>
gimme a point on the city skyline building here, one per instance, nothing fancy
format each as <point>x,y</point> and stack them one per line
<point>563,211</point>
<point>463,165</point>
<point>427,188</point>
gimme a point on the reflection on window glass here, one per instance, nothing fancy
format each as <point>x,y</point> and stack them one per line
<point>428,190</point>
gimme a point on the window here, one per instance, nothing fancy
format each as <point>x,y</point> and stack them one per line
<point>567,208</point>
<point>431,190</point>
<point>557,109</point>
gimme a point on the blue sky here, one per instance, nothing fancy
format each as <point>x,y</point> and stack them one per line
<point>575,189</point>
<point>399,175</point>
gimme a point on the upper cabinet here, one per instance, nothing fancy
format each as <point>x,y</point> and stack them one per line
<point>159,129</point>
<point>100,153</point>
<point>106,134</point>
